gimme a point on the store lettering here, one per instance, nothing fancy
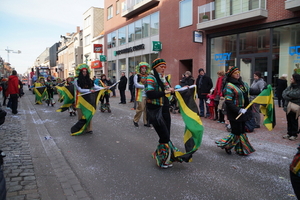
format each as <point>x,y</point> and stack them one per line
<point>222,56</point>
<point>130,49</point>
<point>294,50</point>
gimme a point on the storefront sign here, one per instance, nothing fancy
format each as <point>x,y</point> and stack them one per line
<point>98,48</point>
<point>96,64</point>
<point>130,49</point>
<point>222,57</point>
<point>156,46</point>
<point>198,36</point>
<point>102,58</point>
<point>294,50</point>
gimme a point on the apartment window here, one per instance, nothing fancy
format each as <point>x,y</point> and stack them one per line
<point>113,39</point>
<point>145,26</point>
<point>110,12</point>
<point>87,40</point>
<point>131,32</point>
<point>138,29</point>
<point>122,36</point>
<point>87,22</point>
<point>154,28</point>
<point>118,7</point>
<point>185,13</point>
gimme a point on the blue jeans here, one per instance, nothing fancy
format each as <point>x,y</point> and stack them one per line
<point>201,106</point>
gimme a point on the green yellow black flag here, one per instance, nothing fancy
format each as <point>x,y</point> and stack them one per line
<point>87,103</point>
<point>40,93</point>
<point>193,125</point>
<point>67,94</point>
<point>267,108</point>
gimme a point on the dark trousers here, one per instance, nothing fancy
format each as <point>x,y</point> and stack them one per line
<point>280,100</point>
<point>201,106</point>
<point>2,185</point>
<point>14,103</point>
<point>237,128</point>
<point>132,93</point>
<point>106,97</point>
<point>292,124</point>
<point>296,184</point>
<point>161,123</point>
<point>122,96</point>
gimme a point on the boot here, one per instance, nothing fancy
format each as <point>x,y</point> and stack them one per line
<point>102,107</point>
<point>108,107</point>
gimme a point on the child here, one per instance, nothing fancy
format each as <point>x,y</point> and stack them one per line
<point>211,104</point>
<point>221,110</point>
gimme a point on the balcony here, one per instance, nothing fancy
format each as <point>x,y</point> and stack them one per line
<point>292,5</point>
<point>134,7</point>
<point>223,13</point>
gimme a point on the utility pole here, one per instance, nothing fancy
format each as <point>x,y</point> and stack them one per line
<point>11,51</point>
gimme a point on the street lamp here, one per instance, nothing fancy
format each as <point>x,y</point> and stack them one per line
<point>86,58</point>
<point>11,51</point>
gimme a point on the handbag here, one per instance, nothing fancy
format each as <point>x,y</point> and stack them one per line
<point>217,98</point>
<point>292,107</point>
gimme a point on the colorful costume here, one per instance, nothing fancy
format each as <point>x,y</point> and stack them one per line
<point>50,91</point>
<point>103,82</point>
<point>39,89</point>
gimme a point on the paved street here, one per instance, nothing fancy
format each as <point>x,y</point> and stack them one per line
<point>44,162</point>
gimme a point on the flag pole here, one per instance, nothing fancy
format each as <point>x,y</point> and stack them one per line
<point>250,104</point>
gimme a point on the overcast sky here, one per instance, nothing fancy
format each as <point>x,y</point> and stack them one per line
<point>33,25</point>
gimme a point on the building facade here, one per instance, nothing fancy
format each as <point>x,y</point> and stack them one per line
<point>255,35</point>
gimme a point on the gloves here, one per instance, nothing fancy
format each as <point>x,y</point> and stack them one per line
<point>242,110</point>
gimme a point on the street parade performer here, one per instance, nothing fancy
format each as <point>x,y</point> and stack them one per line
<point>39,89</point>
<point>157,89</point>
<point>86,98</point>
<point>236,94</point>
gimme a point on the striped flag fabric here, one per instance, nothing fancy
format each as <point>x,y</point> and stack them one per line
<point>67,94</point>
<point>193,125</point>
<point>87,103</point>
<point>40,93</point>
<point>267,108</point>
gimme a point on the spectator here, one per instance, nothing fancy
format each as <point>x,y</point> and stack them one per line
<point>204,85</point>
<point>281,85</point>
<point>188,79</point>
<point>255,89</point>
<point>131,87</point>
<point>4,85</point>
<point>113,89</point>
<point>13,91</point>
<point>218,93</point>
<point>122,88</point>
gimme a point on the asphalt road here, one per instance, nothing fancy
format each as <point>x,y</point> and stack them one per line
<point>115,161</point>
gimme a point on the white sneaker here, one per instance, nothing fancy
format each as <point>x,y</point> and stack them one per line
<point>293,138</point>
<point>165,166</point>
<point>286,136</point>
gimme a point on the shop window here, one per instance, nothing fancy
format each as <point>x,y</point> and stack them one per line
<point>113,39</point>
<point>154,18</point>
<point>185,13</point>
<point>131,32</point>
<point>138,29</point>
<point>145,26</point>
<point>122,36</point>
<point>109,40</point>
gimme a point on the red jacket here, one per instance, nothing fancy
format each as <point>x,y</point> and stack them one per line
<point>13,85</point>
<point>218,89</point>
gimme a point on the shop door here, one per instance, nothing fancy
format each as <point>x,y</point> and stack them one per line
<point>248,65</point>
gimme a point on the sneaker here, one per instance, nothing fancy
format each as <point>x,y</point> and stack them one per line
<point>166,166</point>
<point>136,124</point>
<point>293,138</point>
<point>89,132</point>
<point>287,136</point>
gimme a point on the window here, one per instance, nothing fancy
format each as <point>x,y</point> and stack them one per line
<point>145,26</point>
<point>110,12</point>
<point>109,40</point>
<point>122,36</point>
<point>118,7</point>
<point>185,13</point>
<point>87,40</point>
<point>87,22</point>
<point>138,29</point>
<point>131,32</point>
<point>113,39</point>
<point>154,28</point>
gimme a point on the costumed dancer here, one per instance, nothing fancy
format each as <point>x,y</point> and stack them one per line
<point>236,94</point>
<point>72,109</point>
<point>39,89</point>
<point>103,82</point>
<point>158,112</point>
<point>50,91</point>
<point>140,79</point>
<point>84,84</point>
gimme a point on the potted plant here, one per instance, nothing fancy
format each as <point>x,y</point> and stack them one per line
<point>205,18</point>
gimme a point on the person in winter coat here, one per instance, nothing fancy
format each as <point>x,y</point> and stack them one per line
<point>204,85</point>
<point>255,89</point>
<point>218,92</point>
<point>281,85</point>
<point>188,79</point>
<point>13,91</point>
<point>236,99</point>
<point>131,87</point>
<point>122,88</point>
<point>4,85</point>
<point>292,94</point>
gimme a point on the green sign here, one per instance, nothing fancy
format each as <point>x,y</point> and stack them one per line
<point>156,46</point>
<point>102,58</point>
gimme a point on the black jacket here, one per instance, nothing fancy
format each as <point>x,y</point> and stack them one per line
<point>131,83</point>
<point>122,83</point>
<point>204,88</point>
<point>187,81</point>
<point>281,86</point>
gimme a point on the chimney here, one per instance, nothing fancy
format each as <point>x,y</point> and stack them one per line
<point>78,29</point>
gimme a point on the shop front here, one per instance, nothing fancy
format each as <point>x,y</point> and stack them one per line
<point>272,50</point>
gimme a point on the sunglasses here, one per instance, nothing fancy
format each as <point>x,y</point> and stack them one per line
<point>163,66</point>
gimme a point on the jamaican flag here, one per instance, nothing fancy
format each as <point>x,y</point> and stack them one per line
<point>67,95</point>
<point>193,125</point>
<point>87,103</point>
<point>40,93</point>
<point>267,108</point>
